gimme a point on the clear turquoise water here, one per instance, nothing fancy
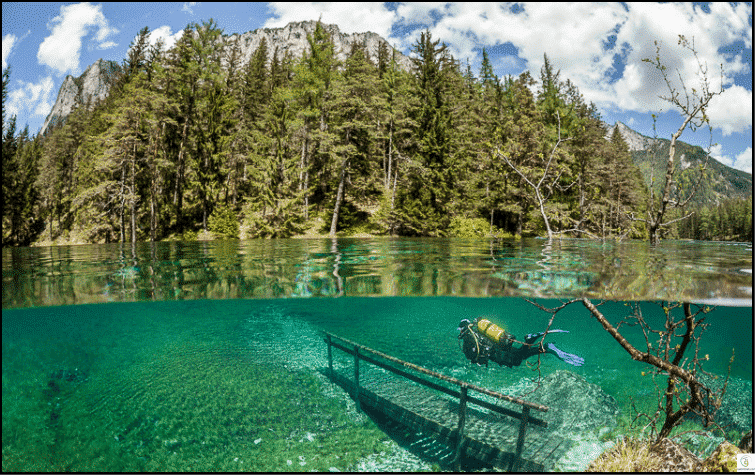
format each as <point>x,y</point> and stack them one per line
<point>177,374</point>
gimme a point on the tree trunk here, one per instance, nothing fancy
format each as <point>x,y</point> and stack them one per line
<point>123,204</point>
<point>339,198</point>
<point>133,195</point>
<point>390,157</point>
<point>178,190</point>
<point>656,221</point>
<point>304,174</point>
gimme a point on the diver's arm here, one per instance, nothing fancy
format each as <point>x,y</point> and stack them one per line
<point>534,336</point>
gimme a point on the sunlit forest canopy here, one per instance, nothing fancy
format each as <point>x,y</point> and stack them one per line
<point>193,142</point>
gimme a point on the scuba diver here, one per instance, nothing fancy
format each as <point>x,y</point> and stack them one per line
<point>482,340</point>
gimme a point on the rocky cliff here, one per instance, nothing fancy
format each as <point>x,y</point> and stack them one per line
<point>90,87</point>
<point>635,140</point>
<point>292,38</point>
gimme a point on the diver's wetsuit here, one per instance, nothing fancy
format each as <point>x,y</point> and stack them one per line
<point>479,349</point>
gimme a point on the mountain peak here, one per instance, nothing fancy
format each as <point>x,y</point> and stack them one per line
<point>92,86</point>
<point>635,140</point>
<point>650,156</point>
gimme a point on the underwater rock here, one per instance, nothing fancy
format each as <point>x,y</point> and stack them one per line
<point>746,443</point>
<point>675,458</point>
<point>702,444</point>
<point>575,405</point>
<point>663,456</point>
<point>736,407</point>
<point>723,459</point>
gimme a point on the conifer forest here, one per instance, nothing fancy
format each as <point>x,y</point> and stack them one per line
<point>190,143</point>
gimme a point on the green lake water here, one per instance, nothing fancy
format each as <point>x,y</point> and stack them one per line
<point>209,355</point>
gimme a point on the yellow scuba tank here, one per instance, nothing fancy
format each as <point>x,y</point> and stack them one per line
<point>491,330</point>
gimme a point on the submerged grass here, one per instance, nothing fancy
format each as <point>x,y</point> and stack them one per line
<point>191,407</point>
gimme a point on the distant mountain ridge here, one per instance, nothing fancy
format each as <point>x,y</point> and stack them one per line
<point>650,155</point>
<point>291,39</point>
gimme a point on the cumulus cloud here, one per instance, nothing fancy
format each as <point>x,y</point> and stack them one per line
<point>164,32</point>
<point>743,161</point>
<point>731,110</point>
<point>350,17</point>
<point>8,43</point>
<point>36,98</point>
<point>61,49</point>
<point>600,47</point>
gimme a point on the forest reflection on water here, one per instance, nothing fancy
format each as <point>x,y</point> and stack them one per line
<point>701,272</point>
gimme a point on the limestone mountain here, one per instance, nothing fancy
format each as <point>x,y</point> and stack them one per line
<point>90,87</point>
<point>94,84</point>
<point>650,155</point>
<point>292,39</point>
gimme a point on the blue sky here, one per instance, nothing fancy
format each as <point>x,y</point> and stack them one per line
<point>599,47</point>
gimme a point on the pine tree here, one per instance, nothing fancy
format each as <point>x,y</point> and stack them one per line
<point>312,81</point>
<point>214,117</point>
<point>521,133</point>
<point>424,202</point>
<point>25,222</point>
<point>398,138</point>
<point>182,77</point>
<point>353,109</point>
<point>488,77</point>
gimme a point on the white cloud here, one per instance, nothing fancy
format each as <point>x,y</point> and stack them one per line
<point>35,98</point>
<point>350,17</point>
<point>732,110</point>
<point>165,33</point>
<point>61,49</point>
<point>187,7</point>
<point>107,45</point>
<point>579,40</point>
<point>743,161</point>
<point>8,43</point>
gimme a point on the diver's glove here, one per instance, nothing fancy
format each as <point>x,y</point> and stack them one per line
<point>564,356</point>
<point>534,336</point>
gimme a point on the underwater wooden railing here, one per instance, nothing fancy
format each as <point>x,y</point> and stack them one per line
<point>524,417</point>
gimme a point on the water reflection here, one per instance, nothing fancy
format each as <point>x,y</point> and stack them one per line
<point>691,271</point>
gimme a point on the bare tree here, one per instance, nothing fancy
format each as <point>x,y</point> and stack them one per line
<point>544,187</point>
<point>665,351</point>
<point>693,106</point>
<point>683,388</point>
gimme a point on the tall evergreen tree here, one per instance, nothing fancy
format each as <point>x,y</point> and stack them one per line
<point>354,109</point>
<point>214,117</point>
<point>182,74</point>
<point>425,200</point>
<point>312,80</point>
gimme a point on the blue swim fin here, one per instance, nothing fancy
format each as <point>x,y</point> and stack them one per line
<point>564,356</point>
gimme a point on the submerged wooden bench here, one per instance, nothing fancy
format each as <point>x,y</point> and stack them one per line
<point>496,437</point>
